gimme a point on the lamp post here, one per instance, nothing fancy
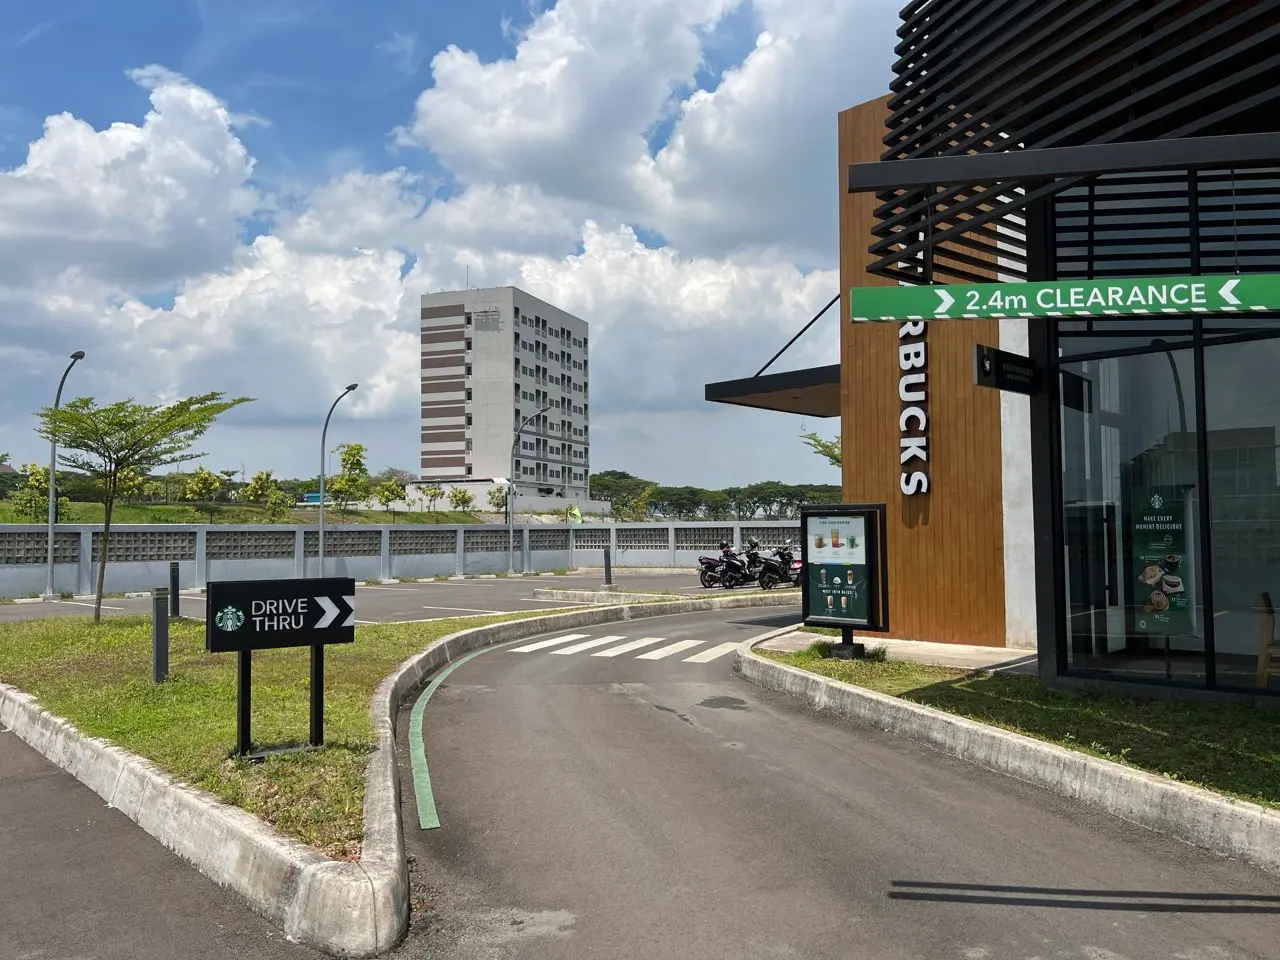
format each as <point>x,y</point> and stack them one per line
<point>511,491</point>
<point>323,436</point>
<point>53,471</point>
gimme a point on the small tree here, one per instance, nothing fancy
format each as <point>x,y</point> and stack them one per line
<point>153,491</point>
<point>31,500</point>
<point>259,487</point>
<point>352,484</point>
<point>277,502</point>
<point>389,492</point>
<point>433,495</point>
<point>202,487</point>
<point>126,436</point>
<point>130,486</point>
<point>827,449</point>
<point>635,507</point>
<point>461,499</point>
<point>498,497</point>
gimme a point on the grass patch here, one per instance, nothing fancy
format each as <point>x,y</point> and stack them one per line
<point>1233,748</point>
<point>126,513</point>
<point>99,679</point>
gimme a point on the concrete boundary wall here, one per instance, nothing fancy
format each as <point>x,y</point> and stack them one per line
<point>140,554</point>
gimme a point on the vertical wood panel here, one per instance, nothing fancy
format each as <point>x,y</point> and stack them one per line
<point>946,556</point>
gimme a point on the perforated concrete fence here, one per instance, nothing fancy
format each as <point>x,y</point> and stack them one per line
<point>139,556</point>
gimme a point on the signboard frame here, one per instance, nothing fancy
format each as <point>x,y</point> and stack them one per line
<point>1008,372</point>
<point>874,560</point>
<point>300,612</point>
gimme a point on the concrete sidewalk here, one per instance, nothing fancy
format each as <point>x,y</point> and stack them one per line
<point>959,656</point>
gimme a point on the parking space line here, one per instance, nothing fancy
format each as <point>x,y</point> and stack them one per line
<point>469,609</point>
<point>82,603</point>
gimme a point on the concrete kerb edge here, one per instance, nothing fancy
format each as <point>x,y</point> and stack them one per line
<point>1223,825</point>
<point>613,597</point>
<point>357,909</point>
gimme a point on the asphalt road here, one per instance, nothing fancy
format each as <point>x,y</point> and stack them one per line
<point>399,602</point>
<point>620,807</point>
<point>80,881</point>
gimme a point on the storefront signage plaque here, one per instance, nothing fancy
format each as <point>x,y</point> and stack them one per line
<point>843,557</point>
<point>1001,370</point>
<point>1258,292</point>
<point>1161,577</point>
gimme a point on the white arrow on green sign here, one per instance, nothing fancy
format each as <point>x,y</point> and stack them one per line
<point>1259,292</point>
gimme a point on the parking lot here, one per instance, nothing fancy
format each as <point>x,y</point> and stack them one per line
<point>403,602</point>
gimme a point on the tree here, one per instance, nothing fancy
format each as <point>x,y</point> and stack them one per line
<point>153,491</point>
<point>127,437</point>
<point>717,505</point>
<point>405,477</point>
<point>31,500</point>
<point>130,486</point>
<point>260,486</point>
<point>433,495</point>
<point>634,508</point>
<point>352,484</point>
<point>278,504</point>
<point>498,497</point>
<point>461,499</point>
<point>827,449</point>
<point>388,492</point>
<point>202,487</point>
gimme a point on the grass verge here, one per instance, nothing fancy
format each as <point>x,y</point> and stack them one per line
<point>99,679</point>
<point>1232,748</point>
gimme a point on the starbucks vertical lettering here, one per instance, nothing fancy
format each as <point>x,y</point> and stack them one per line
<point>913,421</point>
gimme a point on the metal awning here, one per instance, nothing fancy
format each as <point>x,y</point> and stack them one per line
<point>812,392</point>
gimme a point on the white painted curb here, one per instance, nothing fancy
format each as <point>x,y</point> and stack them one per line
<point>1232,828</point>
<point>358,909</point>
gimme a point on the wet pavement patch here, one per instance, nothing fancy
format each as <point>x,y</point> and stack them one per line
<point>724,703</point>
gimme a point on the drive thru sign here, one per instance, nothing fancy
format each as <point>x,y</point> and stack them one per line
<point>1068,298</point>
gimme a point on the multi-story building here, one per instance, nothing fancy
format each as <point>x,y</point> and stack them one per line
<point>497,362</point>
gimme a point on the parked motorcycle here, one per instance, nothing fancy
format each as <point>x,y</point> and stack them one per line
<point>779,567</point>
<point>742,568</point>
<point>709,567</point>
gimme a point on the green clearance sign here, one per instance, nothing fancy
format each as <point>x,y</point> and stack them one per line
<point>1259,292</point>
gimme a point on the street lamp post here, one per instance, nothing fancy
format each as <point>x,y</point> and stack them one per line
<point>53,471</point>
<point>323,435</point>
<point>511,491</point>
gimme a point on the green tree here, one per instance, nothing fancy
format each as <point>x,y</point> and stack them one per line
<point>277,503</point>
<point>405,477</point>
<point>388,492</point>
<point>461,499</point>
<point>130,486</point>
<point>634,507</point>
<point>31,500</point>
<point>829,450</point>
<point>498,497</point>
<point>127,437</point>
<point>433,495</point>
<point>260,486</point>
<point>202,487</point>
<point>353,484</point>
<point>717,505</point>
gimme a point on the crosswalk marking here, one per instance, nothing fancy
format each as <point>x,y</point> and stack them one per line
<point>587,645</point>
<point>667,651</point>
<point>554,641</point>
<point>628,647</point>
<point>706,656</point>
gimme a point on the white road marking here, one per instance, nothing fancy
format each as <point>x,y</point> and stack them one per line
<point>706,656</point>
<point>470,610</point>
<point>674,648</point>
<point>82,603</point>
<point>371,586</point>
<point>554,641</point>
<point>586,645</point>
<point>628,647</point>
<point>563,603</point>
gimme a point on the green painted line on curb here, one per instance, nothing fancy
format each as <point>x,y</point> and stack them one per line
<point>428,818</point>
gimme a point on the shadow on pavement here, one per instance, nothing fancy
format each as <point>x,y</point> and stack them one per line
<point>1142,901</point>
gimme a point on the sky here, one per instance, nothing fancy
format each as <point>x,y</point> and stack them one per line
<point>250,195</point>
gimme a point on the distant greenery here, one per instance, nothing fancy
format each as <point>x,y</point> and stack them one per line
<point>226,513</point>
<point>635,498</point>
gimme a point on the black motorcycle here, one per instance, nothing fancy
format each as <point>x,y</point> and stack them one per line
<point>742,568</point>
<point>779,567</point>
<point>709,568</point>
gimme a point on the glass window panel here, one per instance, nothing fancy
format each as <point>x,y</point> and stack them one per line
<point>1130,502</point>
<point>1242,405</point>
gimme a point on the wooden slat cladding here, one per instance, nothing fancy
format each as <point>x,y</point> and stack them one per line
<point>946,547</point>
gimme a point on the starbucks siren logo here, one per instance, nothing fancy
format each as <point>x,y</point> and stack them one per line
<point>229,619</point>
<point>1157,502</point>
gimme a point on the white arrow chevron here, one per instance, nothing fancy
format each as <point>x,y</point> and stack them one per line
<point>947,301</point>
<point>351,620</point>
<point>1226,293</point>
<point>330,612</point>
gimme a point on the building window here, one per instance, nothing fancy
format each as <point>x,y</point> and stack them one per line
<point>468,342</point>
<point>468,322</point>
<point>468,401</point>
<point>468,374</point>
<point>467,470</point>
<point>468,424</point>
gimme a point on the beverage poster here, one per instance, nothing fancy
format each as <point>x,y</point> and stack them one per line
<point>839,583</point>
<point>1159,537</point>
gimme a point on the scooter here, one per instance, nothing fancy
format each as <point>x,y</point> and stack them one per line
<point>710,568</point>
<point>742,568</point>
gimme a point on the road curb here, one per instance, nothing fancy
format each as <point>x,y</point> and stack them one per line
<point>1232,828</point>
<point>763,598</point>
<point>358,909</point>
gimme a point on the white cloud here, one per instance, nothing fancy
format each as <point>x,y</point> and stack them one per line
<point>127,241</point>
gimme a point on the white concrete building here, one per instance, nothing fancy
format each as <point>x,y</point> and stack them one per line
<point>492,358</point>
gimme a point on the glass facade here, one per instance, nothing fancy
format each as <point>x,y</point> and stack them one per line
<point>1168,509</point>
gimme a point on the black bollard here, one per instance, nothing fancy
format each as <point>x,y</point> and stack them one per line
<point>608,569</point>
<point>173,590</point>
<point>159,635</point>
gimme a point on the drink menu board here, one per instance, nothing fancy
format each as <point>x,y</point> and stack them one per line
<point>838,577</point>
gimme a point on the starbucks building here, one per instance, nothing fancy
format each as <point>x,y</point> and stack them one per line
<point>1060,336</point>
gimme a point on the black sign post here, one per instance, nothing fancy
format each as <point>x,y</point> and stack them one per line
<point>248,615</point>
<point>843,554</point>
<point>1006,371</point>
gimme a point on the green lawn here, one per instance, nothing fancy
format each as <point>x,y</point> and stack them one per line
<point>1233,748</point>
<point>228,513</point>
<point>100,679</point>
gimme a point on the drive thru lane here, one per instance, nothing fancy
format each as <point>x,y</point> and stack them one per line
<point>616,807</point>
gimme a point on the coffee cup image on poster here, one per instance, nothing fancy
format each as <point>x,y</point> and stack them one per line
<point>1159,536</point>
<point>839,591</point>
<point>836,540</point>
